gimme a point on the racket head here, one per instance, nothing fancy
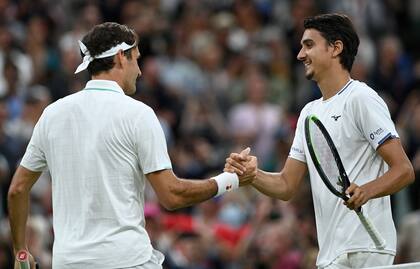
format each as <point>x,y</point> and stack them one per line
<point>325,157</point>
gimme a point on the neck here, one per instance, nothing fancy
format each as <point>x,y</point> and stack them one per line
<point>333,83</point>
<point>110,76</point>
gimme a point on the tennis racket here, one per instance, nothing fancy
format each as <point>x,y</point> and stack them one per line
<point>327,162</point>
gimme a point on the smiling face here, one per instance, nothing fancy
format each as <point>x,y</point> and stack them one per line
<point>316,54</point>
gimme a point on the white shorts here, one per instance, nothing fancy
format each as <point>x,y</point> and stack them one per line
<point>155,262</point>
<point>361,260</point>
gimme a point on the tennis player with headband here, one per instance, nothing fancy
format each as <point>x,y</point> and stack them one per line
<point>100,147</point>
<point>359,122</point>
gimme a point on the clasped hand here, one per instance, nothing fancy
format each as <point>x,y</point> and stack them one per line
<point>244,165</point>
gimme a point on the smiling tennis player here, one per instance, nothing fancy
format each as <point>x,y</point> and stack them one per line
<point>361,128</point>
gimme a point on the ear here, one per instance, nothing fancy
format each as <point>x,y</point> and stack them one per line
<point>119,59</point>
<point>337,48</point>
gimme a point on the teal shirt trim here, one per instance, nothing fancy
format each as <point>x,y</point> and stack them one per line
<point>100,89</point>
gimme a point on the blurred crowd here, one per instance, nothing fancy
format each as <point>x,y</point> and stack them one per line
<point>221,75</point>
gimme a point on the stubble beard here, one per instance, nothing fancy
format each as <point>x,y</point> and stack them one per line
<point>309,75</point>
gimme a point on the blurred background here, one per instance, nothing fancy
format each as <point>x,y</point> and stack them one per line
<point>221,75</point>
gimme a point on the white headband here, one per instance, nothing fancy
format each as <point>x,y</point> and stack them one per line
<point>87,59</point>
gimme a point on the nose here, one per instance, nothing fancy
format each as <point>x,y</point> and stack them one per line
<point>301,55</point>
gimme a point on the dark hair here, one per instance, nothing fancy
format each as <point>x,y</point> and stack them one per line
<point>335,27</point>
<point>101,38</point>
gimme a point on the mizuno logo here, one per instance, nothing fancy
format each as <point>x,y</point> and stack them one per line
<point>335,117</point>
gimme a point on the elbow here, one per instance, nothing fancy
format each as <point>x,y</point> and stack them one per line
<point>170,204</point>
<point>283,195</point>
<point>286,197</point>
<point>14,192</point>
<point>172,201</point>
<point>173,196</point>
<point>288,192</point>
<point>406,174</point>
<point>409,174</point>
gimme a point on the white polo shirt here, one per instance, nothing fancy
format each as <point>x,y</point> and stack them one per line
<point>358,121</point>
<point>98,145</point>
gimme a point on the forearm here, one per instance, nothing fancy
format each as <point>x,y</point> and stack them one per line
<point>188,192</point>
<point>273,184</point>
<point>18,204</point>
<point>174,192</point>
<point>392,181</point>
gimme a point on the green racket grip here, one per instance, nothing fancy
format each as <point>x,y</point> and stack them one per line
<point>24,265</point>
<point>372,231</point>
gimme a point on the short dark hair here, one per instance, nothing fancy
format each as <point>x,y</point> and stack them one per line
<point>335,27</point>
<point>101,38</point>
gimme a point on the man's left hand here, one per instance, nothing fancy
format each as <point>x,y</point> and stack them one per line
<point>358,196</point>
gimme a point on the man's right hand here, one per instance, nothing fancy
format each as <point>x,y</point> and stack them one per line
<point>30,259</point>
<point>244,165</point>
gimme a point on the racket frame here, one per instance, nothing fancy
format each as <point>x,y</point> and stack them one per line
<point>374,234</point>
<point>343,175</point>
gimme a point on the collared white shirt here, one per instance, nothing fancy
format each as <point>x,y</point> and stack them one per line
<point>358,122</point>
<point>98,145</point>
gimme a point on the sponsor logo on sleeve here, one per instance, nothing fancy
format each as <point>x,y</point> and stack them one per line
<point>297,150</point>
<point>376,133</point>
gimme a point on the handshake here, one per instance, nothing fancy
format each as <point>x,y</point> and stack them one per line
<point>240,170</point>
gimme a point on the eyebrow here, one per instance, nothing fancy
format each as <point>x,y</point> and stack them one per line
<point>307,41</point>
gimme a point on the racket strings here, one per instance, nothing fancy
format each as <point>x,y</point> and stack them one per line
<point>325,157</point>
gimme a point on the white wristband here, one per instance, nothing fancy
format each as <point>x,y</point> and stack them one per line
<point>226,182</point>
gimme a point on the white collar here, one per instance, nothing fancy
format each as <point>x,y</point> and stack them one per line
<point>103,85</point>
